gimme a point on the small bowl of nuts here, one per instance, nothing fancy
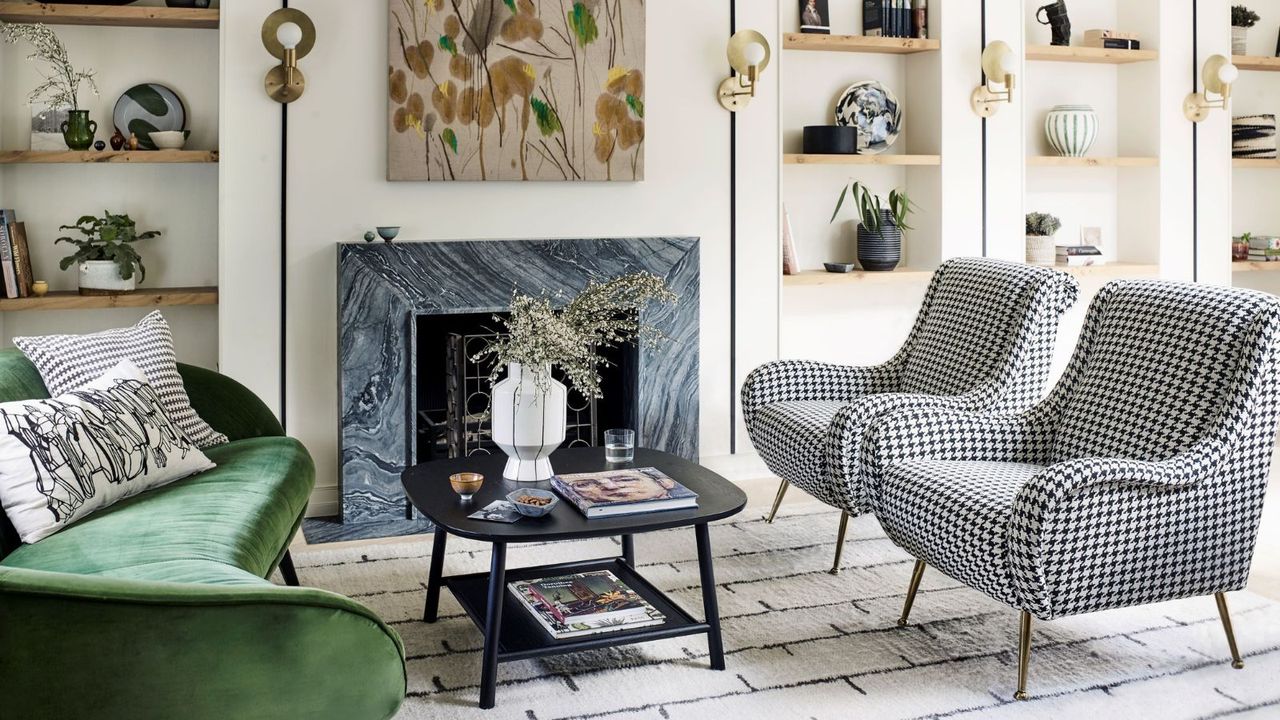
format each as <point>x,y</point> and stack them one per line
<point>533,502</point>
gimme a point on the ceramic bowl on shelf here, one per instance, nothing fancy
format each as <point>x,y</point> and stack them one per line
<point>839,267</point>
<point>533,502</point>
<point>170,139</point>
<point>388,232</point>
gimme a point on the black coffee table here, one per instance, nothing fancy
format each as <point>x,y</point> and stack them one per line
<point>510,633</point>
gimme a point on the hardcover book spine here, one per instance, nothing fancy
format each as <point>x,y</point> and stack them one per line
<point>568,493</point>
<point>872,23</point>
<point>6,257</point>
<point>920,19</point>
<point>886,12</point>
<point>21,259</point>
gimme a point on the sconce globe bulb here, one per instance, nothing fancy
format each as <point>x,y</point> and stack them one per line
<point>754,53</point>
<point>1228,73</point>
<point>289,35</point>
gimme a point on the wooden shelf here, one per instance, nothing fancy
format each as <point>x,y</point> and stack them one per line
<point>1076,53</point>
<point>1113,270</point>
<point>110,16</point>
<point>1248,266</point>
<point>800,159</point>
<point>136,157</point>
<point>1256,62</point>
<point>147,297</point>
<point>858,43</point>
<point>1270,163</point>
<point>818,278</point>
<point>1058,161</point>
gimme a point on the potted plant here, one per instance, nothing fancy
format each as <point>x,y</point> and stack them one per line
<point>109,264</point>
<point>1242,18</point>
<point>528,407</point>
<point>1240,247</point>
<point>1040,246</point>
<point>61,87</point>
<point>880,228</point>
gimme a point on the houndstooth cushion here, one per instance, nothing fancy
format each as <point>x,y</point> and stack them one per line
<point>794,434</point>
<point>69,362</point>
<point>954,515</point>
<point>983,340</point>
<point>1160,436</point>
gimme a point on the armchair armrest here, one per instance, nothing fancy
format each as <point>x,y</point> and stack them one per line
<point>797,380</point>
<point>227,649</point>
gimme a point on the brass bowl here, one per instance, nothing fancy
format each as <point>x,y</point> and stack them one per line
<point>466,484</point>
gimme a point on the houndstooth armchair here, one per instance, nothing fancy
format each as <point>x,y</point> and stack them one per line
<point>983,340</point>
<point>1139,479</point>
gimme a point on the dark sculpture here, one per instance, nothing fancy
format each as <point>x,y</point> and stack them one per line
<point>1055,16</point>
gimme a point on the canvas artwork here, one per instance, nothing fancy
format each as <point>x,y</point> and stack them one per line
<point>516,90</point>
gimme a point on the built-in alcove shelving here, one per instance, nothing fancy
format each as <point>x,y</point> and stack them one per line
<point>1114,162</point>
<point>109,15</point>
<point>145,298</point>
<point>1256,92</point>
<point>814,278</point>
<point>1093,55</point>
<point>858,44</point>
<point>1261,63</point>
<point>135,157</point>
<point>802,159</point>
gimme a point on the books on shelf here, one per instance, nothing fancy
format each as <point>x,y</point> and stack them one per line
<point>1078,255</point>
<point>1264,242</point>
<point>623,492</point>
<point>585,603</point>
<point>895,18</point>
<point>15,257</point>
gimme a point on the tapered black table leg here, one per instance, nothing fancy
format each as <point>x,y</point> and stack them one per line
<point>709,606</point>
<point>430,612</point>
<point>493,625</point>
<point>286,570</point>
<point>629,550</point>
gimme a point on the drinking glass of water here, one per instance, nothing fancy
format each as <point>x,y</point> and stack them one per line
<point>619,446</point>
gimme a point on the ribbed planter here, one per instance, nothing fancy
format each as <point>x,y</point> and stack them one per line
<point>1041,250</point>
<point>1239,40</point>
<point>880,250</point>
<point>528,422</point>
<point>1071,129</point>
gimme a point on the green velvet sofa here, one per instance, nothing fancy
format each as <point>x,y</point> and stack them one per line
<point>157,607</point>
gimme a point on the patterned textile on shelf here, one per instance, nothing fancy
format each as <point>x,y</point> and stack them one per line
<point>1139,479</point>
<point>983,340</point>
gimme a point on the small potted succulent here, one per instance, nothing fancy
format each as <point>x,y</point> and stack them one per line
<point>108,262</point>
<point>1242,18</point>
<point>1041,249</point>
<point>880,227</point>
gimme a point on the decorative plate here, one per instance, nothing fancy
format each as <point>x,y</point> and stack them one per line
<point>870,107</point>
<point>148,108</point>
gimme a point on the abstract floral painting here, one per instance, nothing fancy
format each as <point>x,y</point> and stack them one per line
<point>516,90</point>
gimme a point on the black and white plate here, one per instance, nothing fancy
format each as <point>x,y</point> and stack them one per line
<point>148,108</point>
<point>870,107</point>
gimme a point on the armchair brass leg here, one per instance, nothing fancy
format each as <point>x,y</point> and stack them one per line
<point>777,501</point>
<point>844,525</point>
<point>1236,662</point>
<point>916,574</point>
<point>1024,656</point>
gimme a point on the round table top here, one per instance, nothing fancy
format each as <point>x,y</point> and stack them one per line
<point>427,486</point>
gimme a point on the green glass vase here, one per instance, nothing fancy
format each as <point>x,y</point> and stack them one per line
<point>78,130</point>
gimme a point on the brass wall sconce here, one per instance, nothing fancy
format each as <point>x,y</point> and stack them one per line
<point>1218,75</point>
<point>998,62</point>
<point>748,55</point>
<point>289,35</point>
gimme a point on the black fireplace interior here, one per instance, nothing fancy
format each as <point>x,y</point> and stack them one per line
<point>453,390</point>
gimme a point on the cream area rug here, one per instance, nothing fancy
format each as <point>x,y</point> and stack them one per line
<point>801,643</point>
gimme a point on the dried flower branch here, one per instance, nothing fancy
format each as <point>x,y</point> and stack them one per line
<point>604,314</point>
<point>61,87</point>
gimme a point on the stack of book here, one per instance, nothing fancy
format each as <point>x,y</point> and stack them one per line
<point>586,603</point>
<point>1264,248</point>
<point>1078,255</point>
<point>1112,39</point>
<point>895,18</point>
<point>15,259</point>
<point>623,492</point>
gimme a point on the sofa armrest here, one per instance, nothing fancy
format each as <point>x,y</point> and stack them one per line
<point>92,646</point>
<point>229,407</point>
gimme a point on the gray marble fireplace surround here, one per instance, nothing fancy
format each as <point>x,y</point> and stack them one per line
<point>383,288</point>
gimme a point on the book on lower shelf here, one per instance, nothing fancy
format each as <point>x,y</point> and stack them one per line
<point>15,257</point>
<point>587,603</point>
<point>1078,255</point>
<point>623,492</point>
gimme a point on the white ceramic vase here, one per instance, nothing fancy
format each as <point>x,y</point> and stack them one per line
<point>528,422</point>
<point>102,277</point>
<point>1041,250</point>
<point>1239,40</point>
<point>1071,129</point>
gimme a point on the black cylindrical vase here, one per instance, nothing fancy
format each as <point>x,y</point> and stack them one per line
<point>880,250</point>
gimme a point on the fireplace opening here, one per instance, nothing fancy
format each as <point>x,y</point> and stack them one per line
<point>453,390</point>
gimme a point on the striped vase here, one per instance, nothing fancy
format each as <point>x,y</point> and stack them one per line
<point>880,250</point>
<point>1071,129</point>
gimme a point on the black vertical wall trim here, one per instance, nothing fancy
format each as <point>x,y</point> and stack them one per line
<point>983,82</point>
<point>733,258</point>
<point>284,252</point>
<point>1195,147</point>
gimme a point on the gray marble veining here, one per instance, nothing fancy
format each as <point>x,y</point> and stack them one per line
<point>383,288</point>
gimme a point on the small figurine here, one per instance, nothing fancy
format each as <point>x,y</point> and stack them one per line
<point>1055,16</point>
<point>369,236</point>
<point>99,146</point>
<point>117,140</point>
<point>133,141</point>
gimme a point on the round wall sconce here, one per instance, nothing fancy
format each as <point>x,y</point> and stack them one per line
<point>748,55</point>
<point>1218,75</point>
<point>289,35</point>
<point>998,63</point>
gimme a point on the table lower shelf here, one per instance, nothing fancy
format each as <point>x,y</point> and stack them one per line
<point>523,637</point>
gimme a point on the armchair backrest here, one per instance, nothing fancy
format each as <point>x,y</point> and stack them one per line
<point>986,323</point>
<point>1162,366</point>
